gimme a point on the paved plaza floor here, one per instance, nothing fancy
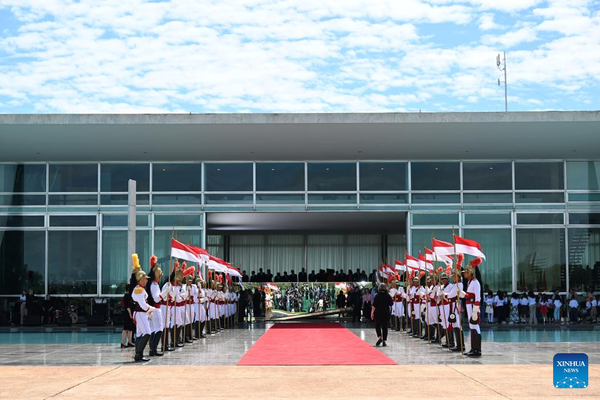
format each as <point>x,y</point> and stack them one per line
<point>92,370</point>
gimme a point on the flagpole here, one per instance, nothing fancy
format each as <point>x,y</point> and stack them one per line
<point>437,304</point>
<point>458,308</point>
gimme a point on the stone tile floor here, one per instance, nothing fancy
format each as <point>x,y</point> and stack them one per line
<point>227,347</point>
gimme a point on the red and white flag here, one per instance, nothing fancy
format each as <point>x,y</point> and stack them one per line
<point>412,263</point>
<point>467,246</point>
<point>431,255</point>
<point>217,264</point>
<point>183,251</point>
<point>272,286</point>
<point>441,248</point>
<point>399,265</point>
<point>202,254</point>
<point>423,263</point>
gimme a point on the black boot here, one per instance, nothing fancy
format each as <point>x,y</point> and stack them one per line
<point>152,350</point>
<point>157,338</point>
<point>202,335</point>
<point>425,331</point>
<point>476,343</point>
<point>140,345</point>
<point>449,340</point>
<point>397,324</point>
<point>196,330</point>
<point>434,334</point>
<point>472,339</point>
<point>179,336</point>
<point>457,342</point>
<point>188,333</point>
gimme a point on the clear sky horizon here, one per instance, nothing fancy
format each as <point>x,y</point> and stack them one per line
<point>267,56</point>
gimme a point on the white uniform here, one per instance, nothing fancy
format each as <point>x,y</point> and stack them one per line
<point>168,314</point>
<point>212,306</point>
<point>141,317</point>
<point>432,311</point>
<point>449,292</point>
<point>415,301</point>
<point>397,295</point>
<point>473,297</point>
<point>179,297</point>
<point>202,305</point>
<point>157,322</point>
<point>195,302</point>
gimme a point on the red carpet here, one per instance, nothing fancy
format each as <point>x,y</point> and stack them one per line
<point>312,344</point>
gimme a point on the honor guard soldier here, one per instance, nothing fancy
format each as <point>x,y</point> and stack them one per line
<point>416,308</point>
<point>454,319</point>
<point>142,311</point>
<point>167,308</point>
<point>202,303</point>
<point>446,289</point>
<point>473,296</point>
<point>155,299</point>
<point>433,313</point>
<point>397,294</point>
<point>179,298</point>
<point>425,309</point>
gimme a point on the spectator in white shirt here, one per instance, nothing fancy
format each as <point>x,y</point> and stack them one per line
<point>532,305</point>
<point>523,308</point>
<point>573,310</point>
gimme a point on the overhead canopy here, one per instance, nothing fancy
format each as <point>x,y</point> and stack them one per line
<point>305,223</point>
<point>232,137</point>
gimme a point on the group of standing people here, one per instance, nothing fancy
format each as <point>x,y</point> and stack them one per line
<point>432,311</point>
<point>183,310</point>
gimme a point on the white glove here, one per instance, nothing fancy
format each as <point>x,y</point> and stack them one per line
<point>165,291</point>
<point>461,293</point>
<point>476,310</point>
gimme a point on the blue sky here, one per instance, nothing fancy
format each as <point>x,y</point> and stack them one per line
<point>62,56</point>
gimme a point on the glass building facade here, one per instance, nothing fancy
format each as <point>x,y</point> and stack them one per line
<point>63,226</point>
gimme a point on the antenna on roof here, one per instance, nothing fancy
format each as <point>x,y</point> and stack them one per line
<point>498,63</point>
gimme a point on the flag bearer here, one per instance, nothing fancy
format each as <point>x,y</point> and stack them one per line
<point>473,296</point>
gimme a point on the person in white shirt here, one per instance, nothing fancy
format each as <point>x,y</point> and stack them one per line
<point>523,308</point>
<point>490,303</point>
<point>573,310</point>
<point>532,303</point>
<point>557,306</point>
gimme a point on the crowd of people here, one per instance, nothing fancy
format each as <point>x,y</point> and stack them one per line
<point>540,308</point>
<point>323,275</point>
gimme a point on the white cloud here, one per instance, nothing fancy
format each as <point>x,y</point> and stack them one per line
<point>487,23</point>
<point>512,39</point>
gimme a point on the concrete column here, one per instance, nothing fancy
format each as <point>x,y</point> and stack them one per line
<point>131,222</point>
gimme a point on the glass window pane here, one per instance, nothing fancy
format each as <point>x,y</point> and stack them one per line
<point>22,200</point>
<point>122,199</point>
<point>539,175</point>
<point>332,176</point>
<point>22,178</point>
<point>487,219</point>
<point>73,178</point>
<point>228,198</point>
<point>435,175</point>
<point>115,177</point>
<point>583,175</point>
<point>383,176</point>
<point>496,270</point>
<point>488,198</point>
<point>435,219</point>
<point>115,260</point>
<point>177,177</point>
<point>178,220</point>
<point>72,220</point>
<point>422,238</point>
<point>162,244</point>
<point>487,176</point>
<point>279,198</point>
<point>539,197</point>
<point>22,262</point>
<point>584,197</point>
<point>331,198</point>
<point>540,259</point>
<point>122,220</point>
<point>19,221</point>
<point>228,177</point>
<point>435,198</point>
<point>369,198</point>
<point>164,199</point>
<point>585,219</point>
<point>282,177</point>
<point>584,259</point>
<point>72,262</point>
<point>540,219</point>
<point>73,200</point>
